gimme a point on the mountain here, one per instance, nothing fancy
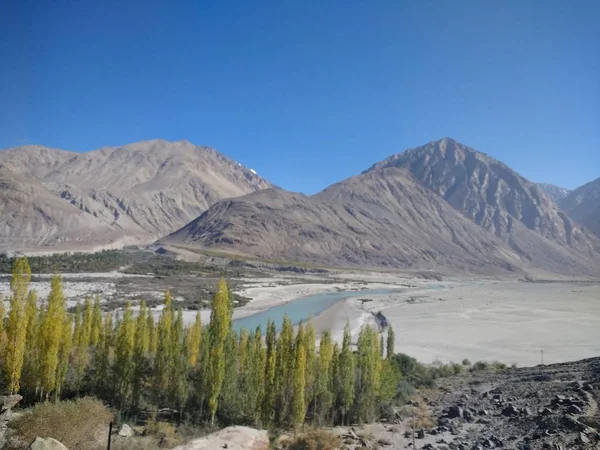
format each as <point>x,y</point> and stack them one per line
<point>440,205</point>
<point>139,191</point>
<point>383,218</point>
<point>556,193</point>
<point>583,205</point>
<point>497,198</point>
<point>31,215</point>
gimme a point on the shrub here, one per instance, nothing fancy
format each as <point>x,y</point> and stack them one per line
<point>479,366</point>
<point>466,362</point>
<point>80,424</point>
<point>314,440</point>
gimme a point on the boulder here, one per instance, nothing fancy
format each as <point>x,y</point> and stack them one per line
<point>46,444</point>
<point>9,401</point>
<point>236,438</point>
<point>510,411</point>
<point>574,409</point>
<point>126,431</point>
<point>455,412</point>
<point>545,412</point>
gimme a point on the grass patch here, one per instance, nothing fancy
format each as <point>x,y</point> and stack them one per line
<point>313,440</point>
<point>80,424</point>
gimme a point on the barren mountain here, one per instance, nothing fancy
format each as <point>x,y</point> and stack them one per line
<point>500,200</point>
<point>141,191</point>
<point>383,218</point>
<point>31,215</point>
<point>583,205</point>
<point>442,205</point>
<point>556,193</point>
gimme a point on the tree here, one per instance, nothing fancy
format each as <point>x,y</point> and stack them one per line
<point>96,323</point>
<point>152,333</point>
<point>220,323</point>
<point>369,369</point>
<point>178,365</point>
<point>192,340</point>
<point>140,348</point>
<point>51,335</point>
<point>283,372</point>
<point>390,342</point>
<point>163,348</point>
<point>268,404</point>
<point>30,380</point>
<point>299,379</point>
<point>123,366</point>
<point>309,345</point>
<point>346,374</point>
<point>256,374</point>
<point>102,358</point>
<point>16,325</point>
<point>323,397</point>
<point>66,342</point>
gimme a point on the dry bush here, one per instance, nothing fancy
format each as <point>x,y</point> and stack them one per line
<point>313,440</point>
<point>80,424</point>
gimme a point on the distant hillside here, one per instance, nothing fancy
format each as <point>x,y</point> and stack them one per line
<point>133,194</point>
<point>555,192</point>
<point>583,205</point>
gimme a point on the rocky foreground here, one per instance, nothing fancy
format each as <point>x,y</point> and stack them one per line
<point>543,407</point>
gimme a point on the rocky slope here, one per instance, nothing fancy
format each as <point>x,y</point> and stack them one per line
<point>556,193</point>
<point>497,198</point>
<point>134,193</point>
<point>383,218</point>
<point>583,205</point>
<point>441,205</point>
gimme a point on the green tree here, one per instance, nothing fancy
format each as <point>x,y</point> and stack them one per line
<point>163,357</point>
<point>50,337</point>
<point>323,398</point>
<point>390,342</point>
<point>140,348</point>
<point>178,365</point>
<point>16,325</point>
<point>220,323</point>
<point>346,374</point>
<point>31,370</point>
<point>310,345</point>
<point>299,379</point>
<point>123,365</point>
<point>369,369</point>
<point>192,340</point>
<point>268,404</point>
<point>283,372</point>
<point>96,323</point>
<point>66,342</point>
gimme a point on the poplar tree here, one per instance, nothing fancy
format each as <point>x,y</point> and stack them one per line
<point>102,357</point>
<point>16,325</point>
<point>140,348</point>
<point>256,374</point>
<point>178,365</point>
<point>96,323</point>
<point>66,342</point>
<point>163,348</point>
<point>50,337</point>
<point>123,365</point>
<point>334,382</point>
<point>30,380</point>
<point>268,404</point>
<point>152,333</point>
<point>229,399</point>
<point>299,379</point>
<point>369,369</point>
<point>2,332</point>
<point>220,323</point>
<point>346,374</point>
<point>323,397</point>
<point>283,371</point>
<point>390,342</point>
<point>192,340</point>
<point>309,345</point>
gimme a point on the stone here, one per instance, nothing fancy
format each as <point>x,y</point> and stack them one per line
<point>126,431</point>
<point>468,416</point>
<point>583,438</point>
<point>574,409</point>
<point>545,412</point>
<point>428,447</point>
<point>455,412</point>
<point>421,434</point>
<point>488,443</point>
<point>527,412</point>
<point>9,401</point>
<point>483,412</point>
<point>46,444</point>
<point>588,387</point>
<point>510,411</point>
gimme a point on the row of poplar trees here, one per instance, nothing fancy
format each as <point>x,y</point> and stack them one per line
<point>139,364</point>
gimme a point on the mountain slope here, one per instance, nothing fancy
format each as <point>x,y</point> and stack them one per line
<point>583,205</point>
<point>383,218</point>
<point>497,198</point>
<point>143,190</point>
<point>556,193</point>
<point>442,205</point>
<point>31,215</point>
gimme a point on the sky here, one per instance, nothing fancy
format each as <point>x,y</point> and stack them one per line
<point>309,92</point>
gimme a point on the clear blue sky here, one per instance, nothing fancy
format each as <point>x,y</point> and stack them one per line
<point>309,92</point>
